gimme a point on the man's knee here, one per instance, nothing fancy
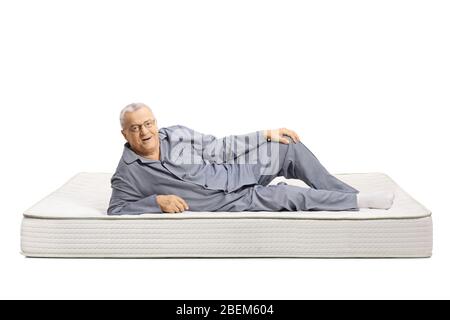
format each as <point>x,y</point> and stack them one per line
<point>294,149</point>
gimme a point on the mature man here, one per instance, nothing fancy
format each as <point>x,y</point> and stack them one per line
<point>175,169</point>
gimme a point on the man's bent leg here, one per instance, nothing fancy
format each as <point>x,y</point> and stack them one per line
<point>293,198</point>
<point>296,161</point>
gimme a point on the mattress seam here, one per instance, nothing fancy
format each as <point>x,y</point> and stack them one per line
<point>223,218</point>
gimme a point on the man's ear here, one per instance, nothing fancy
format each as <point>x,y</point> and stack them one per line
<point>123,133</point>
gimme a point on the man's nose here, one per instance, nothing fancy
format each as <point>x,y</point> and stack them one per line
<point>144,130</point>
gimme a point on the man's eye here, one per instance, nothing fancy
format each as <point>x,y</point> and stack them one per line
<point>134,128</point>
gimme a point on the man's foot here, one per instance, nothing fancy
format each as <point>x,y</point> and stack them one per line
<point>375,200</point>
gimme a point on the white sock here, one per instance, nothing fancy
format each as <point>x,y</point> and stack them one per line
<point>375,200</point>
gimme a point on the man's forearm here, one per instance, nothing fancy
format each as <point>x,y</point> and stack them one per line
<point>142,206</point>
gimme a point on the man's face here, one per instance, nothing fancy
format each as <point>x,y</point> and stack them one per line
<point>141,131</point>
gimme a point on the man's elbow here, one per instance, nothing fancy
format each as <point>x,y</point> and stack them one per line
<point>115,210</point>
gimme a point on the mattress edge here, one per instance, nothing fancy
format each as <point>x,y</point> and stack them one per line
<point>172,217</point>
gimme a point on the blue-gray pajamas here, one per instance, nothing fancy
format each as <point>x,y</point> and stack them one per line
<point>326,192</point>
<point>228,174</point>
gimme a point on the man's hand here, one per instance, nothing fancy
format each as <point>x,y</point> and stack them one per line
<point>280,135</point>
<point>171,203</point>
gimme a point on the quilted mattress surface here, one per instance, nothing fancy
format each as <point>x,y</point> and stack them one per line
<point>72,222</point>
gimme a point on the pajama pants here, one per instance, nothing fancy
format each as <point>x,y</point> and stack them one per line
<point>296,161</point>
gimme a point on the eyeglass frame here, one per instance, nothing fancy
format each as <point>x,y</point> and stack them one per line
<point>139,126</point>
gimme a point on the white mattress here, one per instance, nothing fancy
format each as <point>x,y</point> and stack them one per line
<point>72,222</point>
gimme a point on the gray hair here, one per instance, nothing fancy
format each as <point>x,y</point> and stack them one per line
<point>131,108</point>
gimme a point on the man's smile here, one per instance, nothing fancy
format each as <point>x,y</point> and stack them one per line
<point>146,139</point>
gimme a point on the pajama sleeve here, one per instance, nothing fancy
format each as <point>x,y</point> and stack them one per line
<point>221,150</point>
<point>125,199</point>
<point>233,146</point>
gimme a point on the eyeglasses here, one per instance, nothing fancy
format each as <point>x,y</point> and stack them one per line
<point>137,127</point>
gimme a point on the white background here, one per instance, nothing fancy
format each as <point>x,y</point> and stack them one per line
<point>365,84</point>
